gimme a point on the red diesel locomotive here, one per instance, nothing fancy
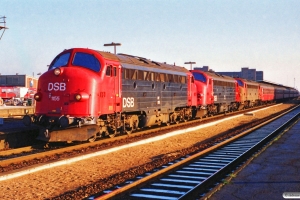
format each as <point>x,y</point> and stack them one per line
<point>87,94</point>
<point>104,93</point>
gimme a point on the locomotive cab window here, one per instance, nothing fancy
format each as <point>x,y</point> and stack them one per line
<point>86,60</point>
<point>240,83</point>
<point>199,77</point>
<point>60,61</point>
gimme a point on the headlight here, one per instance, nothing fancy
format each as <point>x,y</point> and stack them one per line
<point>82,96</point>
<point>57,71</point>
<point>37,96</point>
<point>78,97</point>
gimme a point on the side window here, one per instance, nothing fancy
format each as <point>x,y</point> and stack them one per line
<point>157,77</point>
<point>114,71</point>
<point>170,78</point>
<point>134,74</point>
<point>145,75</point>
<point>126,73</point>
<point>151,76</point>
<point>162,77</point>
<point>183,79</point>
<point>108,71</point>
<point>175,78</point>
<point>140,75</point>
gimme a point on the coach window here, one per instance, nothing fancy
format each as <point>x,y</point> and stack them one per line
<point>60,61</point>
<point>86,60</point>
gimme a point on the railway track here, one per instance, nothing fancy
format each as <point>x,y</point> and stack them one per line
<point>190,177</point>
<point>36,153</point>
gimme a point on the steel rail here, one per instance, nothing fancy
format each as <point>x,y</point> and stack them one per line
<point>181,178</point>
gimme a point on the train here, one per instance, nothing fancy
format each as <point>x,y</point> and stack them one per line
<point>86,94</point>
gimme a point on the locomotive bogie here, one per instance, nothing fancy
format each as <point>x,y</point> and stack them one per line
<point>201,112</point>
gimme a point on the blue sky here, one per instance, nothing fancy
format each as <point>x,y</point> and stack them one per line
<point>225,35</point>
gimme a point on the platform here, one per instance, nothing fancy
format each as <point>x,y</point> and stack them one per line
<point>9,111</point>
<point>274,174</point>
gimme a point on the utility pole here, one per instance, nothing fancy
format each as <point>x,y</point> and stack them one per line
<point>2,25</point>
<point>113,44</point>
<point>191,63</point>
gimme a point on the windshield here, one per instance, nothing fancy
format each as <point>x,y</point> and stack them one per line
<point>199,77</point>
<point>86,60</point>
<point>59,61</point>
<point>240,83</point>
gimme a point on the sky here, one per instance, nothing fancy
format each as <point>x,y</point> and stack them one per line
<point>225,35</point>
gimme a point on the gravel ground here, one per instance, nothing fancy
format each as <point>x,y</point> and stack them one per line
<point>55,181</point>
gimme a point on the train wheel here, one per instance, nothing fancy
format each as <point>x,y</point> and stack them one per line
<point>128,130</point>
<point>112,131</point>
<point>112,135</point>
<point>92,139</point>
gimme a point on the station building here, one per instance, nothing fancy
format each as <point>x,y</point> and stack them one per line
<point>20,86</point>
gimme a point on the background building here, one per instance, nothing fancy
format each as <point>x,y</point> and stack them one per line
<point>246,73</point>
<point>17,86</point>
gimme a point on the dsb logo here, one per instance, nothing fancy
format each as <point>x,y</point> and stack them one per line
<point>56,86</point>
<point>128,102</point>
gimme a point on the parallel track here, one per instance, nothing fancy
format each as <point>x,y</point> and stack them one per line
<point>193,175</point>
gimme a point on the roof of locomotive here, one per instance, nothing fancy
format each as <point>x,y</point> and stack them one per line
<point>140,61</point>
<point>217,76</point>
<point>249,82</point>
